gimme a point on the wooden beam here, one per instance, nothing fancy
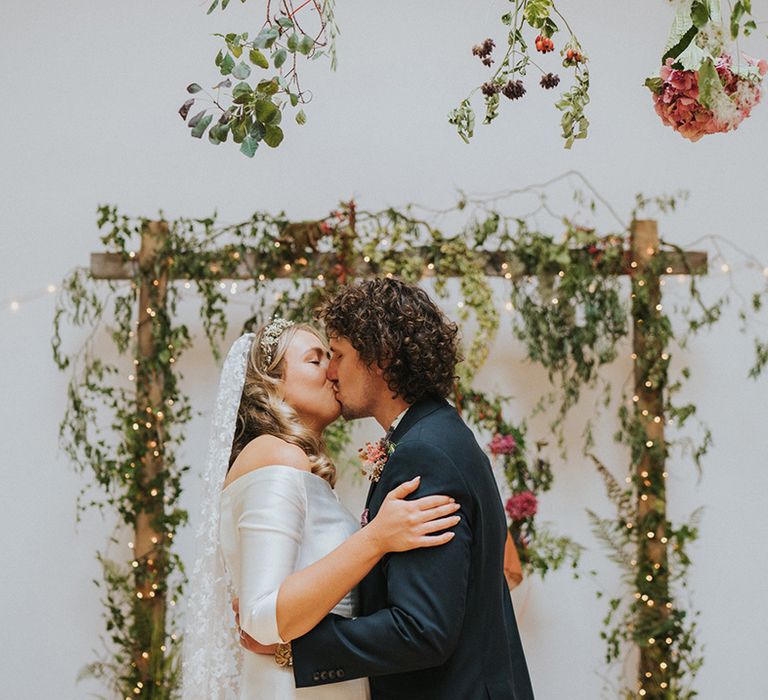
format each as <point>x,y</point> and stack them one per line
<point>112,266</point>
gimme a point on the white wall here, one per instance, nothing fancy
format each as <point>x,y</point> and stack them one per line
<point>90,95</point>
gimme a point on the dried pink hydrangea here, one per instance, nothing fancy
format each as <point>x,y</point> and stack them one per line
<point>677,102</point>
<point>522,505</point>
<point>502,444</point>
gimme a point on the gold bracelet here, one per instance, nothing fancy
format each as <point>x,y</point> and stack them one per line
<point>283,655</point>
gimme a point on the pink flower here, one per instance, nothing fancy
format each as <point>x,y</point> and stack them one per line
<point>522,505</point>
<point>374,456</point>
<point>677,103</point>
<point>502,444</point>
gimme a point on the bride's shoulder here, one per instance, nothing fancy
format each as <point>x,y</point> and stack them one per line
<point>267,451</point>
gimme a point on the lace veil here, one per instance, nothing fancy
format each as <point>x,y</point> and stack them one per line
<point>211,652</point>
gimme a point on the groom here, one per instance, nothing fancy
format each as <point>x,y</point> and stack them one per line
<point>435,623</point>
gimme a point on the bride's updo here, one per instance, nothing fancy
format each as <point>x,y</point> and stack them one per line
<point>263,412</point>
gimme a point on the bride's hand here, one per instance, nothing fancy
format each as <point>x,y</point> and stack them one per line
<point>401,525</point>
<point>246,641</point>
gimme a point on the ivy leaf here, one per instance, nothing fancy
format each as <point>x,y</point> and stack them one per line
<point>201,126</point>
<point>227,83</point>
<point>306,44</point>
<point>265,111</point>
<point>196,119</point>
<point>257,131</point>
<point>285,22</point>
<point>241,71</point>
<point>213,6</point>
<point>711,90</point>
<point>227,64</point>
<point>268,87</point>
<point>266,37</point>
<point>249,146</point>
<point>301,118</point>
<point>239,130</point>
<point>655,85</point>
<point>736,14</point>
<point>273,136</point>
<point>536,11</point>
<point>258,58</point>
<point>224,4</point>
<point>218,132</point>
<point>699,13</point>
<point>192,88</point>
<point>184,109</point>
<point>279,57</point>
<point>242,93</point>
<point>294,99</point>
<point>293,42</point>
<point>213,138</point>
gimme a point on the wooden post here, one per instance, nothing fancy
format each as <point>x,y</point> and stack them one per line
<point>149,545</point>
<point>652,580</point>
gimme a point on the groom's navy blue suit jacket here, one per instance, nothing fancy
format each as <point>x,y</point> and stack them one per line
<point>435,623</point>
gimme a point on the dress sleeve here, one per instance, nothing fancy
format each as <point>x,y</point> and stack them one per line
<point>270,512</point>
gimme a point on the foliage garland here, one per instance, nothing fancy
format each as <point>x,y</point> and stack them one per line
<point>571,339</point>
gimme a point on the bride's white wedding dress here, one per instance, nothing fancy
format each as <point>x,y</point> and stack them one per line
<point>276,520</point>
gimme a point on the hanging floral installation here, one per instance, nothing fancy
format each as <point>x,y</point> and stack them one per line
<point>126,417</point>
<point>705,87</point>
<point>530,22</point>
<point>251,112</point>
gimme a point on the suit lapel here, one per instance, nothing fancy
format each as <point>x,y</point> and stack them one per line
<point>421,409</point>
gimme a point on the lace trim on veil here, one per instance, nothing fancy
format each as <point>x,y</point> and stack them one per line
<point>211,653</point>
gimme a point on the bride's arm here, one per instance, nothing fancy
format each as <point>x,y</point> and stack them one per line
<point>278,604</point>
<point>307,596</point>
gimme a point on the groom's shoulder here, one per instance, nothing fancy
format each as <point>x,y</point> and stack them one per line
<point>441,426</point>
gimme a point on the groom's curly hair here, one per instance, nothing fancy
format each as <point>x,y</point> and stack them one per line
<point>399,328</point>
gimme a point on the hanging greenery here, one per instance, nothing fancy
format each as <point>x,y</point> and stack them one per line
<point>506,79</point>
<point>260,75</point>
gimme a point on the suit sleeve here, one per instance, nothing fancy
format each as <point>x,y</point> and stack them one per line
<point>426,591</point>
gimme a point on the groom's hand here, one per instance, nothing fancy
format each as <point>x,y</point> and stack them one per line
<point>246,641</point>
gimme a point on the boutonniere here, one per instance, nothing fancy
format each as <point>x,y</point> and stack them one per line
<point>374,456</point>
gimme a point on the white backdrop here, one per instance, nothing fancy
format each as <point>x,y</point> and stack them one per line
<point>89,116</point>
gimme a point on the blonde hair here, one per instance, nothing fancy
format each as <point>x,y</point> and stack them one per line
<point>263,412</point>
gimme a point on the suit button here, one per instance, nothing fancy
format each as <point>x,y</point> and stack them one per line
<point>331,675</point>
<point>340,673</point>
<point>315,676</point>
<point>323,675</point>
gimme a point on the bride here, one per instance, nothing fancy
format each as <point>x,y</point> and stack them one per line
<point>273,533</point>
